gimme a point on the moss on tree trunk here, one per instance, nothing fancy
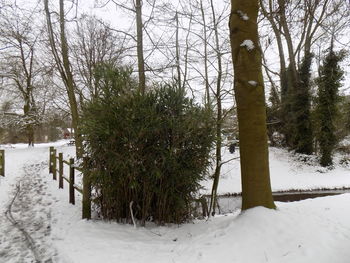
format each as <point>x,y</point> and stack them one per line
<point>250,98</point>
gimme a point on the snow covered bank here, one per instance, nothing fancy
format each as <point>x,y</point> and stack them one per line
<point>316,230</point>
<point>286,172</point>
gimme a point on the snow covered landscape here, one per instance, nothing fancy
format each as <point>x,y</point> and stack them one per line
<point>43,227</point>
<point>164,131</point>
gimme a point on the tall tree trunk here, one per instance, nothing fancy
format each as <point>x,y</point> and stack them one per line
<point>250,98</point>
<point>29,126</point>
<point>74,111</point>
<point>289,41</point>
<point>205,43</point>
<point>140,58</point>
<point>178,68</point>
<point>302,109</point>
<point>64,68</point>
<point>218,113</point>
<point>70,85</point>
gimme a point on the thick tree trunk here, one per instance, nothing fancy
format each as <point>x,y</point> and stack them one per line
<point>250,98</point>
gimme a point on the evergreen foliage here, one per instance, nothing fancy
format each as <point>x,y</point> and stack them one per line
<point>274,118</point>
<point>303,138</point>
<point>329,83</point>
<point>146,151</point>
<point>346,109</point>
<point>286,113</point>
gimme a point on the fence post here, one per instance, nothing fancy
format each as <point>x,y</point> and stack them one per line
<point>60,170</point>
<point>51,159</point>
<point>71,181</point>
<point>2,163</point>
<point>54,165</point>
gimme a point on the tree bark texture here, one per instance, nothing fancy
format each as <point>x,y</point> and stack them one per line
<point>70,85</point>
<point>250,98</point>
<point>140,58</point>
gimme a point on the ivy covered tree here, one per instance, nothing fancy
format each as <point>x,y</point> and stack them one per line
<point>329,83</point>
<point>303,139</point>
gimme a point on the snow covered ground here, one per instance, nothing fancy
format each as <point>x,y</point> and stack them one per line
<point>287,173</point>
<point>49,229</point>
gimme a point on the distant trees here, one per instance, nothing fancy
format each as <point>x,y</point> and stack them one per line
<point>136,8</point>
<point>20,66</point>
<point>250,98</point>
<point>94,44</point>
<point>297,28</point>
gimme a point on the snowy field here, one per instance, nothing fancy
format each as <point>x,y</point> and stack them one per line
<point>38,225</point>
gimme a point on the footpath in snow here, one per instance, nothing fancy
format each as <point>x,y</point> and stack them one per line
<point>314,230</point>
<point>26,207</point>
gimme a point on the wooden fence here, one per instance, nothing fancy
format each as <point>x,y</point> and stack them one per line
<point>70,179</point>
<point>2,163</point>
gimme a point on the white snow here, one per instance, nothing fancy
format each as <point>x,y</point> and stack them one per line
<point>308,231</point>
<point>242,15</point>
<point>313,230</point>
<point>252,82</point>
<point>248,44</point>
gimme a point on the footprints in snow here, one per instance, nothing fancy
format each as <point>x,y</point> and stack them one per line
<point>27,238</point>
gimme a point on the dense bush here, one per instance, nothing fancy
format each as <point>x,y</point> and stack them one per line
<point>151,150</point>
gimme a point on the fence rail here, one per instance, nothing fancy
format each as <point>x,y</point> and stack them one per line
<point>70,179</point>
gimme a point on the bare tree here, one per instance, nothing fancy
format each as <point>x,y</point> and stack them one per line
<point>63,64</point>
<point>95,43</point>
<point>19,61</point>
<point>136,8</point>
<point>219,112</point>
<point>60,51</point>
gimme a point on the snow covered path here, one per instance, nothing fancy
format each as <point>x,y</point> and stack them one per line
<point>25,214</point>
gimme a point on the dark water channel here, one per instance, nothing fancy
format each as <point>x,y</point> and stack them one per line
<point>231,203</point>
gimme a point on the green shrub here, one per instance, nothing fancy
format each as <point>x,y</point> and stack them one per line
<point>152,150</point>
